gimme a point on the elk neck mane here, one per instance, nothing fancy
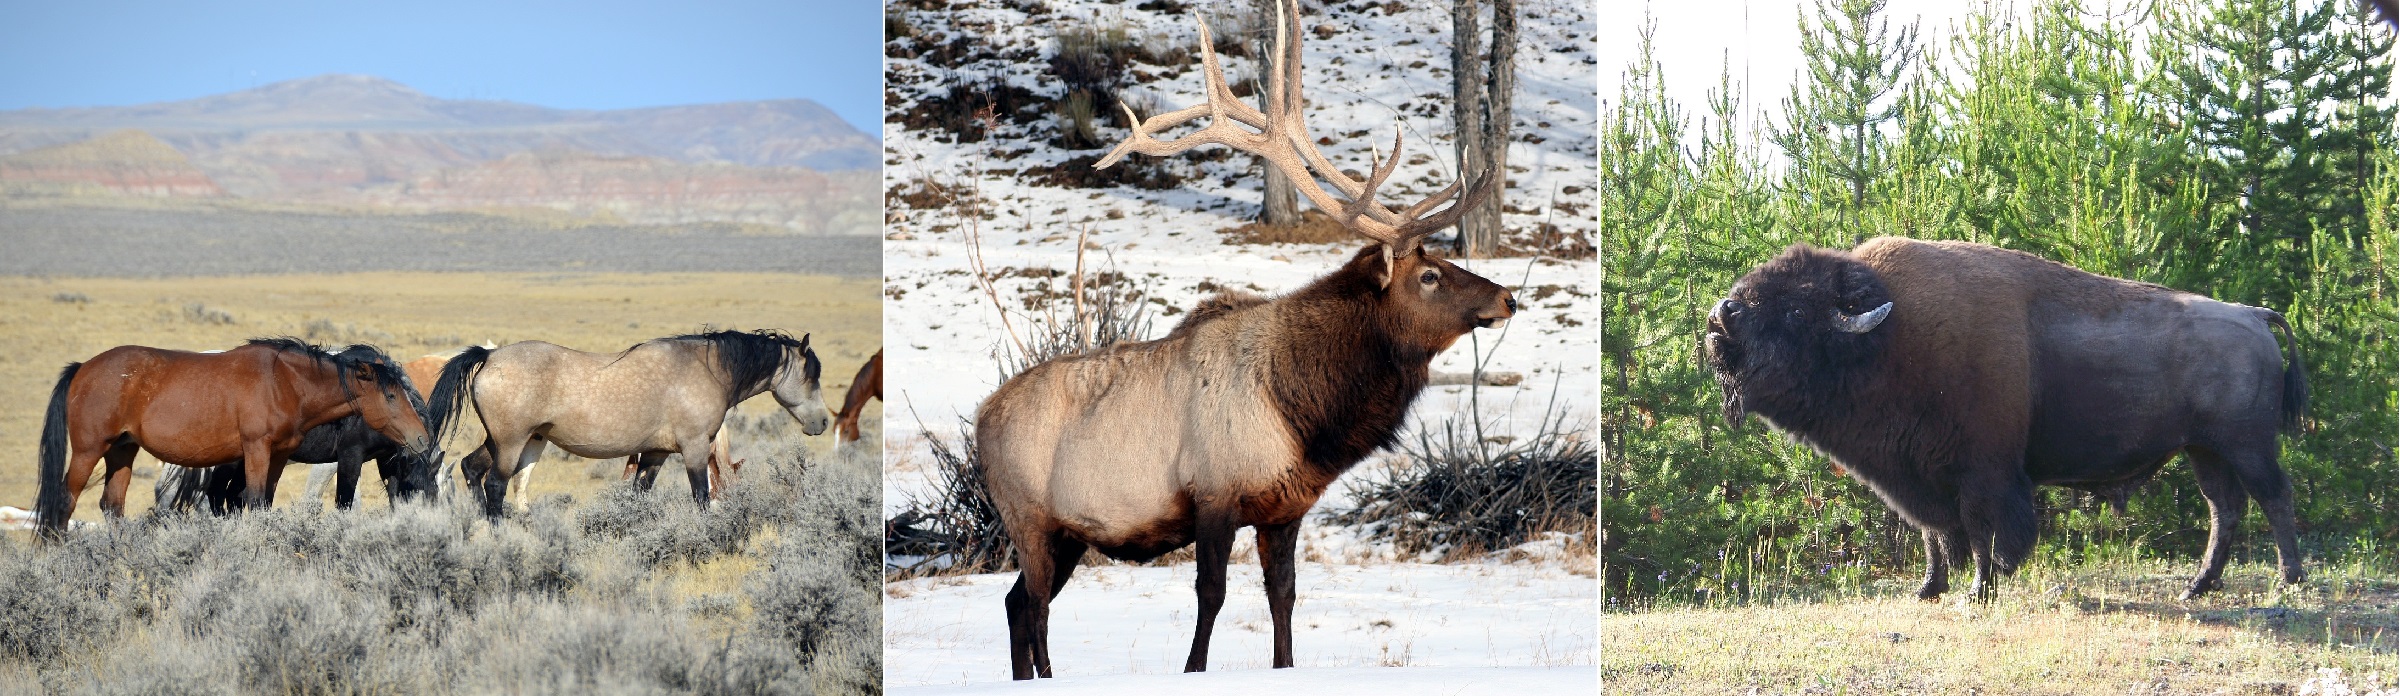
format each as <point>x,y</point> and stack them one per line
<point>1345,370</point>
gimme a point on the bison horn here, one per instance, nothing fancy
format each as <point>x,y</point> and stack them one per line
<point>1861,323</point>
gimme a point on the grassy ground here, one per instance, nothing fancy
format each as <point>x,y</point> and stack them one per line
<point>47,322</point>
<point>2102,628</point>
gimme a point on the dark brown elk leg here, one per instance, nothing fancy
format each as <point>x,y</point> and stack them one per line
<point>119,477</point>
<point>1030,596</point>
<point>2263,479</point>
<point>1212,544</point>
<point>2226,503</point>
<point>1064,554</point>
<point>1277,550</point>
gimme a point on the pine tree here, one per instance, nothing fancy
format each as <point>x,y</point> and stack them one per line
<point>1833,119</point>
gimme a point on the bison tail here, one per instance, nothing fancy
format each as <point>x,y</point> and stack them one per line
<point>2295,373</point>
<point>55,503</point>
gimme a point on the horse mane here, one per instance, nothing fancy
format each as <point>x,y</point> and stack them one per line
<point>350,356</point>
<point>750,358</point>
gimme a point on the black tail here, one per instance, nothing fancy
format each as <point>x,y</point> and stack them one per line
<point>54,504</point>
<point>2295,374</point>
<point>451,389</point>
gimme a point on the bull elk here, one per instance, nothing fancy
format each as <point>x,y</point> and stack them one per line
<point>1243,414</point>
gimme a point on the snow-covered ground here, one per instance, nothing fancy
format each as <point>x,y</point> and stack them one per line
<point>1381,681</point>
<point>1368,68</point>
<point>1123,619</point>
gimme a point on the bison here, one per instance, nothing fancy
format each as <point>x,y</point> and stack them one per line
<point>1952,377</point>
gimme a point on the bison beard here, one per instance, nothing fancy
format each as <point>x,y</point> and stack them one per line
<point>1951,378</point>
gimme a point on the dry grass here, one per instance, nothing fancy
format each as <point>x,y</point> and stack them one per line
<point>409,314</point>
<point>2108,628</point>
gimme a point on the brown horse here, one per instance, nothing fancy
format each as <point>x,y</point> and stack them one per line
<point>251,404</point>
<point>868,384</point>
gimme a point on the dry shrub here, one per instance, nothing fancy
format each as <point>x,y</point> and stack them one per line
<point>432,599</point>
<point>1460,496</point>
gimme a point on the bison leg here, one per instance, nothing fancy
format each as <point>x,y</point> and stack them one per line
<point>1212,545</point>
<point>2263,479</point>
<point>2226,502</point>
<point>1277,546</point>
<point>2000,525</point>
<point>1937,567</point>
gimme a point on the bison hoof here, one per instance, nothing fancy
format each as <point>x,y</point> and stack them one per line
<point>1931,593</point>
<point>2294,576</point>
<point>2199,588</point>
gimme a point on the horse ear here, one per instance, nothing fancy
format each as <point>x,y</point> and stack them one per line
<point>804,340</point>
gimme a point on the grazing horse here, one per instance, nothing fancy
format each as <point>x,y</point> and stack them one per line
<point>659,397</point>
<point>251,405</point>
<point>336,449</point>
<point>868,384</point>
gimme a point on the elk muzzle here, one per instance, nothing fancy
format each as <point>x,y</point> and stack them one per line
<point>1498,315</point>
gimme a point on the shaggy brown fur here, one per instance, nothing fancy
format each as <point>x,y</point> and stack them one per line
<point>1996,371</point>
<point>1239,417</point>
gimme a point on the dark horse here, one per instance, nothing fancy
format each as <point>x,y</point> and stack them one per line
<point>867,385</point>
<point>346,444</point>
<point>251,405</point>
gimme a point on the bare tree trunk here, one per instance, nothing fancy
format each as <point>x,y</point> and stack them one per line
<point>1280,203</point>
<point>1484,82</point>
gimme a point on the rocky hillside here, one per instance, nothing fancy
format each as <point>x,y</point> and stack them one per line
<point>356,140</point>
<point>128,162</point>
<point>647,190</point>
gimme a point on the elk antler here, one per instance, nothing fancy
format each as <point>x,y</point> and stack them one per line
<point>1283,142</point>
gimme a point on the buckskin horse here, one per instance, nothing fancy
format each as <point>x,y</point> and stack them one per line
<point>251,405</point>
<point>660,397</point>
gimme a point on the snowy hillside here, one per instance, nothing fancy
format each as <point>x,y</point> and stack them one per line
<point>1007,179</point>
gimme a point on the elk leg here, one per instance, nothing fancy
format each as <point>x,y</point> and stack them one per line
<point>119,477</point>
<point>2264,480</point>
<point>2226,502</point>
<point>1030,596</point>
<point>1065,552</point>
<point>1278,547</point>
<point>1212,544</point>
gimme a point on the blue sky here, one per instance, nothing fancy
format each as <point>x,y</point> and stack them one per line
<point>580,55</point>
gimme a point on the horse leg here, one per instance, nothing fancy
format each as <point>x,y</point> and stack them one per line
<point>119,477</point>
<point>698,458</point>
<point>1212,543</point>
<point>522,480</point>
<point>319,475</point>
<point>2226,503</point>
<point>82,457</point>
<point>505,458</point>
<point>346,471</point>
<point>646,470</point>
<point>258,470</point>
<point>1278,547</point>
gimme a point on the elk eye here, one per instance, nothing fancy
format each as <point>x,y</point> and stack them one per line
<point>1428,277</point>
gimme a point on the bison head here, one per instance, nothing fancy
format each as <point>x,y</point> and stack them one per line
<point>1795,332</point>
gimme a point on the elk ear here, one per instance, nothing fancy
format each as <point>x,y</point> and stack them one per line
<point>1383,279</point>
